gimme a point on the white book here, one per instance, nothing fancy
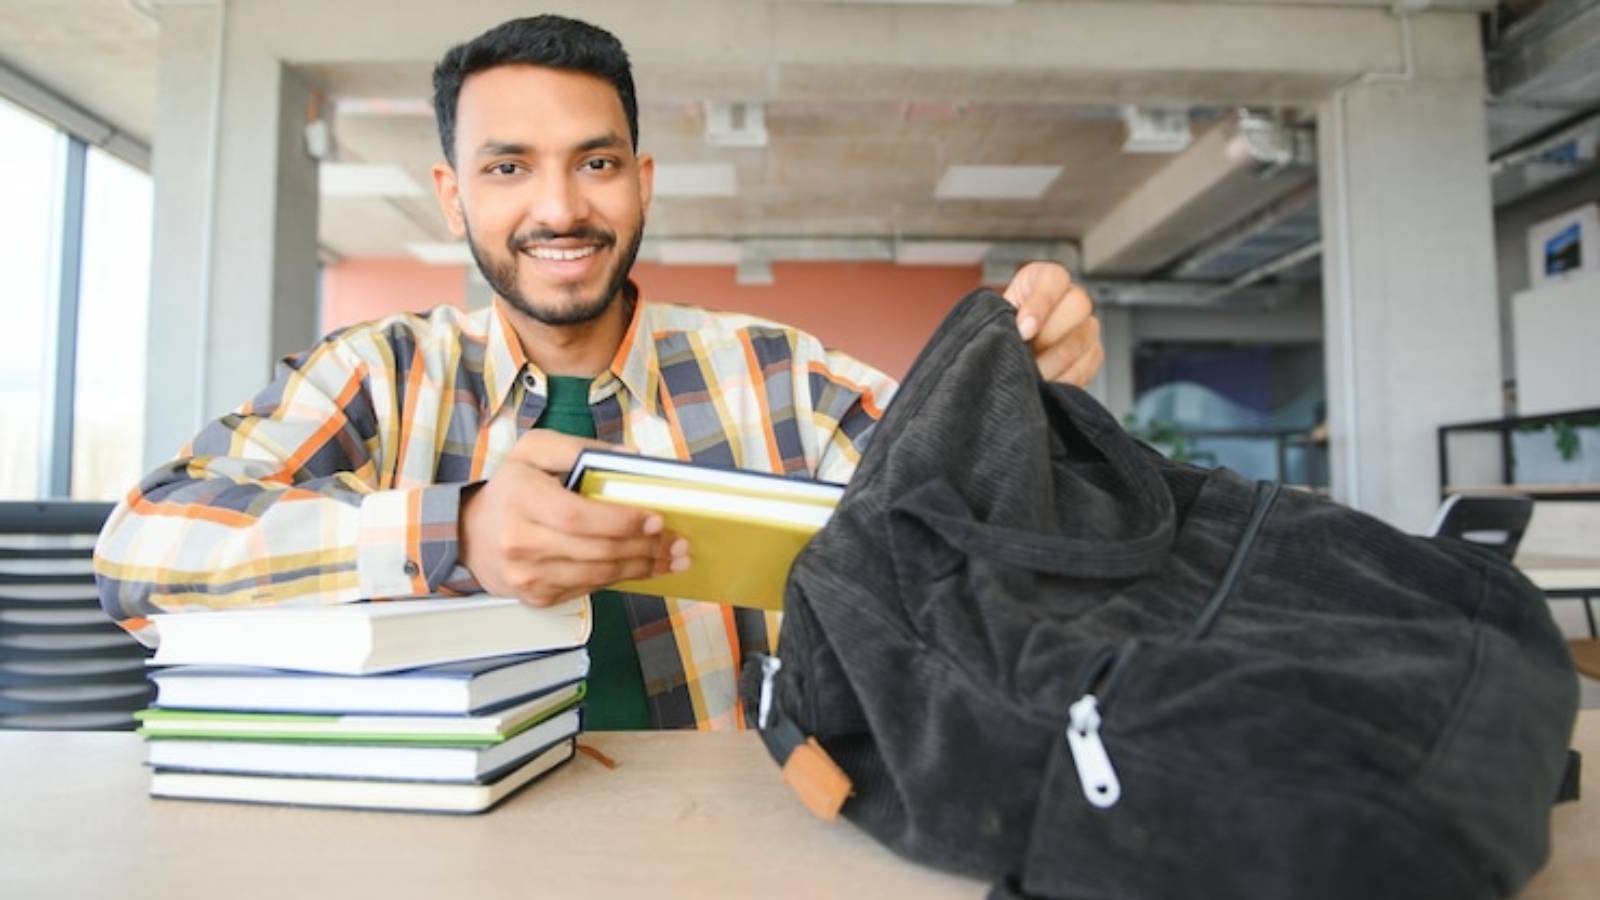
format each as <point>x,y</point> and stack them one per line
<point>159,723</point>
<point>400,762</point>
<point>357,793</point>
<point>368,637</point>
<point>466,687</point>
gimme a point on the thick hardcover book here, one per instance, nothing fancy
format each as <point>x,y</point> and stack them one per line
<point>358,793</point>
<point>458,688</point>
<point>400,762</point>
<point>484,728</point>
<point>744,528</point>
<point>368,637</point>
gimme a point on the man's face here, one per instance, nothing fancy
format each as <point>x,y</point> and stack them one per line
<point>547,189</point>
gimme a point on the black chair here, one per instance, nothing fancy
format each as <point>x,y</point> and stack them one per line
<point>1496,521</point>
<point>64,665</point>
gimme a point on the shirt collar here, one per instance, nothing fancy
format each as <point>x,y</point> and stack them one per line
<point>504,360</point>
<point>634,364</point>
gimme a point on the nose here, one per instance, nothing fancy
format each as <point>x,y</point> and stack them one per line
<point>557,202</point>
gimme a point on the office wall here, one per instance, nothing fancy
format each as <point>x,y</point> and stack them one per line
<point>356,290</point>
<point>880,312</point>
<point>1511,224</point>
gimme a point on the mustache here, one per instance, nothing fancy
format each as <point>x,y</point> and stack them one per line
<point>545,235</point>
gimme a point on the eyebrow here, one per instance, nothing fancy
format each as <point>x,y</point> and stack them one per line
<point>508,148</point>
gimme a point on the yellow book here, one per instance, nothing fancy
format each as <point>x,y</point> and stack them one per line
<point>744,528</point>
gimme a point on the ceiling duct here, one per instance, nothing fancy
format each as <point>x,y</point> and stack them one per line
<point>1570,152</point>
<point>1543,72</point>
<point>1240,166</point>
<point>1279,228</point>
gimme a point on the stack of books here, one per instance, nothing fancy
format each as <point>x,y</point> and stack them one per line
<point>438,705</point>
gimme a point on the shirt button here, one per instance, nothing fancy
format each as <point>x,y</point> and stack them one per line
<point>411,569</point>
<point>530,381</point>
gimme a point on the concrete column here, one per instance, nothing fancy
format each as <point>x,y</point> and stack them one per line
<point>1114,385</point>
<point>1410,308</point>
<point>234,252</point>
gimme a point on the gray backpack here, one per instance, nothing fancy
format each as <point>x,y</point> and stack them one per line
<point>1044,655</point>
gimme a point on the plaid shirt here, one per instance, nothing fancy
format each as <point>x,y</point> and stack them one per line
<point>341,481</point>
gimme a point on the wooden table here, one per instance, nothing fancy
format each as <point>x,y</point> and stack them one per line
<point>1561,575</point>
<point>681,815</point>
<point>1564,578</point>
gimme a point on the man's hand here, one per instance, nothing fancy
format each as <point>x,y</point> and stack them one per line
<point>524,535</point>
<point>1056,318</point>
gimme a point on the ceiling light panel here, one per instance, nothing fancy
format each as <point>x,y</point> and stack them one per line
<point>698,253</point>
<point>695,180</point>
<point>441,254</point>
<point>941,253</point>
<point>996,182</point>
<point>909,2</point>
<point>362,180</point>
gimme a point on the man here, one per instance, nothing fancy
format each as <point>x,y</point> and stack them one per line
<point>423,454</point>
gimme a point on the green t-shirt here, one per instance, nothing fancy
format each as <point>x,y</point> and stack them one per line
<point>616,698</point>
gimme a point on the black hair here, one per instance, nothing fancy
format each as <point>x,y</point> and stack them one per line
<point>551,42</point>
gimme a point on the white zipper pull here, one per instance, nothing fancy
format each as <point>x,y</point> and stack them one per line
<point>1095,772</point>
<point>770,666</point>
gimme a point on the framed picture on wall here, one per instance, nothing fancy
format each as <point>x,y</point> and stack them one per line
<point>1564,246</point>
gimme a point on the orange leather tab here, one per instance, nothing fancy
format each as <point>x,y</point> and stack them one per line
<point>817,779</point>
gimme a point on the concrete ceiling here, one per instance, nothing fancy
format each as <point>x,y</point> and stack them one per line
<point>861,125</point>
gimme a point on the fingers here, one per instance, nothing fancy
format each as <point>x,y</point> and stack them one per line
<point>523,534</point>
<point>1056,317</point>
<point>554,452</point>
<point>1034,290</point>
<point>554,567</point>
<point>1067,348</point>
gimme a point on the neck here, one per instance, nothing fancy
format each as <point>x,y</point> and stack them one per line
<point>584,350</point>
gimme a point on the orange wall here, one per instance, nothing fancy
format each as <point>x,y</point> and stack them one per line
<point>880,312</point>
<point>356,290</point>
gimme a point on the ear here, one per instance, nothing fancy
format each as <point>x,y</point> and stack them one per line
<point>448,191</point>
<point>647,182</point>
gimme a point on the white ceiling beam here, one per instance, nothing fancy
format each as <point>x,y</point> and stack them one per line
<point>1323,39</point>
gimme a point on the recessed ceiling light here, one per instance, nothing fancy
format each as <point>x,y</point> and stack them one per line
<point>941,253</point>
<point>383,106</point>
<point>996,182</point>
<point>695,180</point>
<point>908,2</point>
<point>697,253</point>
<point>441,254</point>
<point>363,180</point>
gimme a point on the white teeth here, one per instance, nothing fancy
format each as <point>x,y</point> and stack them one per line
<point>560,254</point>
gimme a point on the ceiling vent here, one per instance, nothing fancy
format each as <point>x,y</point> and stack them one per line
<point>735,124</point>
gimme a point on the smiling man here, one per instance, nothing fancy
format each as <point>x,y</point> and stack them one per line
<point>423,453</point>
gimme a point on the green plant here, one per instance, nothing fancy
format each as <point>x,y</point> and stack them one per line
<point>1159,433</point>
<point>1569,444</point>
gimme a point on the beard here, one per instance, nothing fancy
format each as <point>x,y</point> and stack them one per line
<point>501,274</point>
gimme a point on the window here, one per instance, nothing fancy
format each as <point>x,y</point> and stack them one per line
<point>105,218</point>
<point>26,248</point>
<point>113,310</point>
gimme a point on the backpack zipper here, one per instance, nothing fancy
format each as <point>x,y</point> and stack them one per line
<point>1096,773</point>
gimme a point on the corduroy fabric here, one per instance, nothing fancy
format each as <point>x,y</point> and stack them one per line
<point>1299,700</point>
